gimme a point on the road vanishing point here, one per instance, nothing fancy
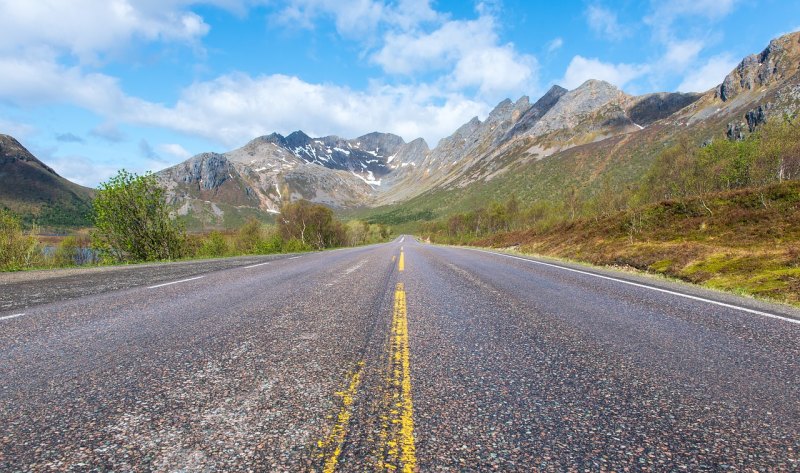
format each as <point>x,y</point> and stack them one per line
<point>393,357</point>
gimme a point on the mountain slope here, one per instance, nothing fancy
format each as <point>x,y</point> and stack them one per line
<point>36,192</point>
<point>213,189</point>
<point>613,142</point>
<point>567,142</point>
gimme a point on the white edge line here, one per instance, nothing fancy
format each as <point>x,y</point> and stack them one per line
<point>645,286</point>
<point>294,257</point>
<point>174,282</point>
<point>6,317</point>
<point>256,265</point>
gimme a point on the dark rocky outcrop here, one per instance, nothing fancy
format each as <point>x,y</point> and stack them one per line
<point>653,107</point>
<point>756,117</point>
<point>734,132</point>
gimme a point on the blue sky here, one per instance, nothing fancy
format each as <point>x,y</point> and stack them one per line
<point>92,86</point>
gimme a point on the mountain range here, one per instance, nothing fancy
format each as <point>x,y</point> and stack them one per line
<point>566,141</point>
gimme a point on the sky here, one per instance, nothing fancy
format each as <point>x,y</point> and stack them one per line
<point>93,86</point>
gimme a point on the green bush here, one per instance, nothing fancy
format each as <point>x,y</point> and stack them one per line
<point>73,250</point>
<point>17,250</point>
<point>294,245</point>
<point>214,245</point>
<point>132,221</point>
<point>272,243</point>
<point>312,224</point>
<point>249,237</point>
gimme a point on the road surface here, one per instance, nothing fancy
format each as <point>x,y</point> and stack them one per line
<point>401,356</point>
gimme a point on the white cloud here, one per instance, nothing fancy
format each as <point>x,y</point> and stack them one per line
<point>712,73</point>
<point>235,108</point>
<point>174,149</point>
<point>41,80</point>
<point>581,69</point>
<point>495,71</point>
<point>470,50</point>
<point>16,129</point>
<point>555,44</point>
<point>604,22</point>
<point>410,52</point>
<point>79,169</point>
<point>664,14</point>
<point>356,18</point>
<point>87,28</point>
<point>681,54</point>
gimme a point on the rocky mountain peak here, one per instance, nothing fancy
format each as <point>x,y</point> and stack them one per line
<point>572,107</point>
<point>780,60</point>
<point>11,149</point>
<point>297,139</point>
<point>381,143</point>
<point>598,89</point>
<point>535,112</point>
<point>465,130</point>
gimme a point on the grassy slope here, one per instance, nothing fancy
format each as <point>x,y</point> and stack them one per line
<point>750,244</point>
<point>36,193</point>
<point>622,161</point>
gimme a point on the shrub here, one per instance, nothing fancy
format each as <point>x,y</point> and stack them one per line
<point>249,237</point>
<point>294,245</point>
<point>272,243</point>
<point>214,245</point>
<point>17,250</point>
<point>74,250</point>
<point>132,220</point>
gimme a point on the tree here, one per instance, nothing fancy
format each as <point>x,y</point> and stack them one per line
<point>132,221</point>
<point>779,151</point>
<point>311,224</point>
<point>249,236</point>
<point>672,172</point>
<point>512,211</point>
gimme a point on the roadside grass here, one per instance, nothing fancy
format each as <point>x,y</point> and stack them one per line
<point>22,250</point>
<point>746,241</point>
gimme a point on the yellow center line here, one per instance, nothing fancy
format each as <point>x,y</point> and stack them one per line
<point>401,264</point>
<point>408,453</point>
<point>396,442</point>
<point>335,439</point>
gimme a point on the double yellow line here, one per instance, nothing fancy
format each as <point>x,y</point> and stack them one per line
<point>396,449</point>
<point>398,429</point>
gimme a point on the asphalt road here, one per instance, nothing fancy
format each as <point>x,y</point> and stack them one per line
<point>400,356</point>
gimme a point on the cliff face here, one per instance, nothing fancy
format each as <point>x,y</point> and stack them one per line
<point>775,64</point>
